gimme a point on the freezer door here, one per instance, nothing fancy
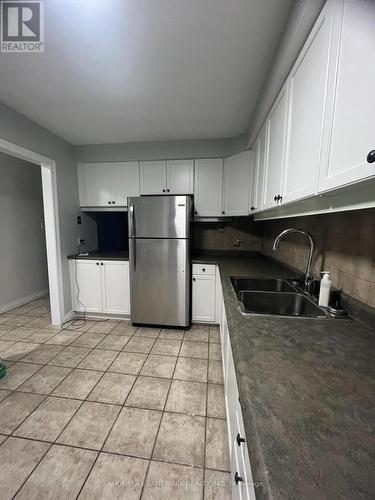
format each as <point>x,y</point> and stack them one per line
<point>159,216</point>
<point>160,281</point>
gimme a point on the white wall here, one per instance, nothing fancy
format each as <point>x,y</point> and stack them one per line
<point>18,129</point>
<point>302,17</point>
<point>205,148</point>
<point>23,259</point>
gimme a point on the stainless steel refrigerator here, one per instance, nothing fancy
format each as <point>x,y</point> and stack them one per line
<point>159,255</point>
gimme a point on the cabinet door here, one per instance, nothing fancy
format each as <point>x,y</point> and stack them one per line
<point>203,307</point>
<point>237,184</point>
<point>96,184</point>
<point>208,187</point>
<point>238,492</point>
<point>87,285</point>
<point>276,136</point>
<point>153,177</point>
<point>259,155</point>
<point>306,111</point>
<point>352,134</point>
<point>180,176</point>
<point>124,181</point>
<point>115,287</point>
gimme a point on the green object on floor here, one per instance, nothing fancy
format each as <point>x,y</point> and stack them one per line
<point>3,370</point>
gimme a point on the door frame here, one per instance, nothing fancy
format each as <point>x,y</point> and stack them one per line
<point>51,221</point>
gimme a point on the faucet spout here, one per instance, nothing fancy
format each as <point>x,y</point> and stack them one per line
<point>276,244</point>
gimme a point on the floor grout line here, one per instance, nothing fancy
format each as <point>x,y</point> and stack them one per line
<point>110,430</point>
<point>160,422</point>
<point>123,405</point>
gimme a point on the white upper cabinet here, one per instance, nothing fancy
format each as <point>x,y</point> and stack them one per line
<point>124,181</point>
<point>94,185</point>
<point>352,134</point>
<point>208,187</point>
<point>275,150</point>
<point>167,177</point>
<point>236,184</point>
<point>257,182</point>
<point>308,85</point>
<point>153,177</point>
<point>180,176</point>
<point>107,184</point>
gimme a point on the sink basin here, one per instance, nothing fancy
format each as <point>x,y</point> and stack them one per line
<point>240,284</point>
<point>279,304</point>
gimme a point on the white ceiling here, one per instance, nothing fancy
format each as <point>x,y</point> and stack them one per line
<point>138,70</point>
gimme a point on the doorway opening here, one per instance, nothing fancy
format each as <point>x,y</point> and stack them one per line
<point>51,222</point>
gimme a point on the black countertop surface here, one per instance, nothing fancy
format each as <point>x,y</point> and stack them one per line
<point>98,255</point>
<point>307,392</point>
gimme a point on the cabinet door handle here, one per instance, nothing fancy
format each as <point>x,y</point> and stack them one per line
<point>371,156</point>
<point>239,439</point>
<point>113,202</point>
<point>101,264</point>
<point>193,279</point>
<point>168,190</point>
<point>275,198</point>
<point>203,269</point>
<point>223,212</point>
<point>163,190</point>
<point>238,478</point>
<point>97,263</point>
<point>109,203</point>
<point>252,208</point>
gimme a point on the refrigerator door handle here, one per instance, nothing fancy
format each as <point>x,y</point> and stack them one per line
<point>131,221</point>
<point>134,253</point>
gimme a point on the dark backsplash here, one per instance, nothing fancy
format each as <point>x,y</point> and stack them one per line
<point>224,235</point>
<point>112,231</point>
<point>345,246</point>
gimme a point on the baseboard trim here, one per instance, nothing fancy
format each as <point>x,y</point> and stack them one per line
<point>22,301</point>
<point>69,316</point>
<point>100,316</point>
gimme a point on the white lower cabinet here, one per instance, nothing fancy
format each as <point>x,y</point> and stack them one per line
<point>115,287</point>
<point>241,475</point>
<point>86,279</point>
<point>100,286</point>
<point>203,298</point>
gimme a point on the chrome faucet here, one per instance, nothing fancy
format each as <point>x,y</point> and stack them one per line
<point>308,275</point>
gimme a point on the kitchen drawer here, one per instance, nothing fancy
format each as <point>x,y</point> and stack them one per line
<point>204,269</point>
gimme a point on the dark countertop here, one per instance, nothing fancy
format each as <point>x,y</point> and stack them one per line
<point>98,255</point>
<point>307,391</point>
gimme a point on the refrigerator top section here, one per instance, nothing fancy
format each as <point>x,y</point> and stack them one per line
<point>159,216</point>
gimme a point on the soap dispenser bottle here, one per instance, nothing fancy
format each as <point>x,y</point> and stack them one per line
<point>325,289</point>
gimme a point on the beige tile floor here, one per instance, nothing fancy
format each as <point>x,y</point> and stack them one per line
<point>110,411</point>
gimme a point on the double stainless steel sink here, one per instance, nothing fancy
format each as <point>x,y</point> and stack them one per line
<point>276,297</point>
